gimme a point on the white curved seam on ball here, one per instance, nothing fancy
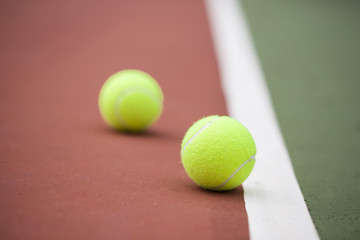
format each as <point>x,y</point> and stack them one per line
<point>198,132</point>
<point>233,174</point>
<point>123,94</point>
<point>119,118</point>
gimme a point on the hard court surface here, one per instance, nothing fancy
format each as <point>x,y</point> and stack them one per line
<point>63,173</point>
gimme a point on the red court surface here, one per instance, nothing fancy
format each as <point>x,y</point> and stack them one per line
<point>63,173</point>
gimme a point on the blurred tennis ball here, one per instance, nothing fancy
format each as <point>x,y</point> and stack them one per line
<point>130,100</point>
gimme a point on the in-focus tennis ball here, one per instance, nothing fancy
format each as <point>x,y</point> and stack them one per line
<point>130,100</point>
<point>218,153</point>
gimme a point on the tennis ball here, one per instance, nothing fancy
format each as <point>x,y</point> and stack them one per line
<point>218,153</point>
<point>130,100</point>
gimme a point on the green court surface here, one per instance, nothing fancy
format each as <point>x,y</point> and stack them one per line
<point>310,55</point>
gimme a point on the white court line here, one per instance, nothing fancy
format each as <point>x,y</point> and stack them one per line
<point>273,199</point>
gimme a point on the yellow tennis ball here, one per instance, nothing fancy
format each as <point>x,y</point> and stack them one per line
<point>130,100</point>
<point>218,153</point>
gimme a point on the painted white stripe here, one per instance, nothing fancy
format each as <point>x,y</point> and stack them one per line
<point>197,133</point>
<point>274,202</point>
<point>233,174</point>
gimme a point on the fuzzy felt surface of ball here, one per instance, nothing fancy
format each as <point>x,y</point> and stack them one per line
<point>218,153</point>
